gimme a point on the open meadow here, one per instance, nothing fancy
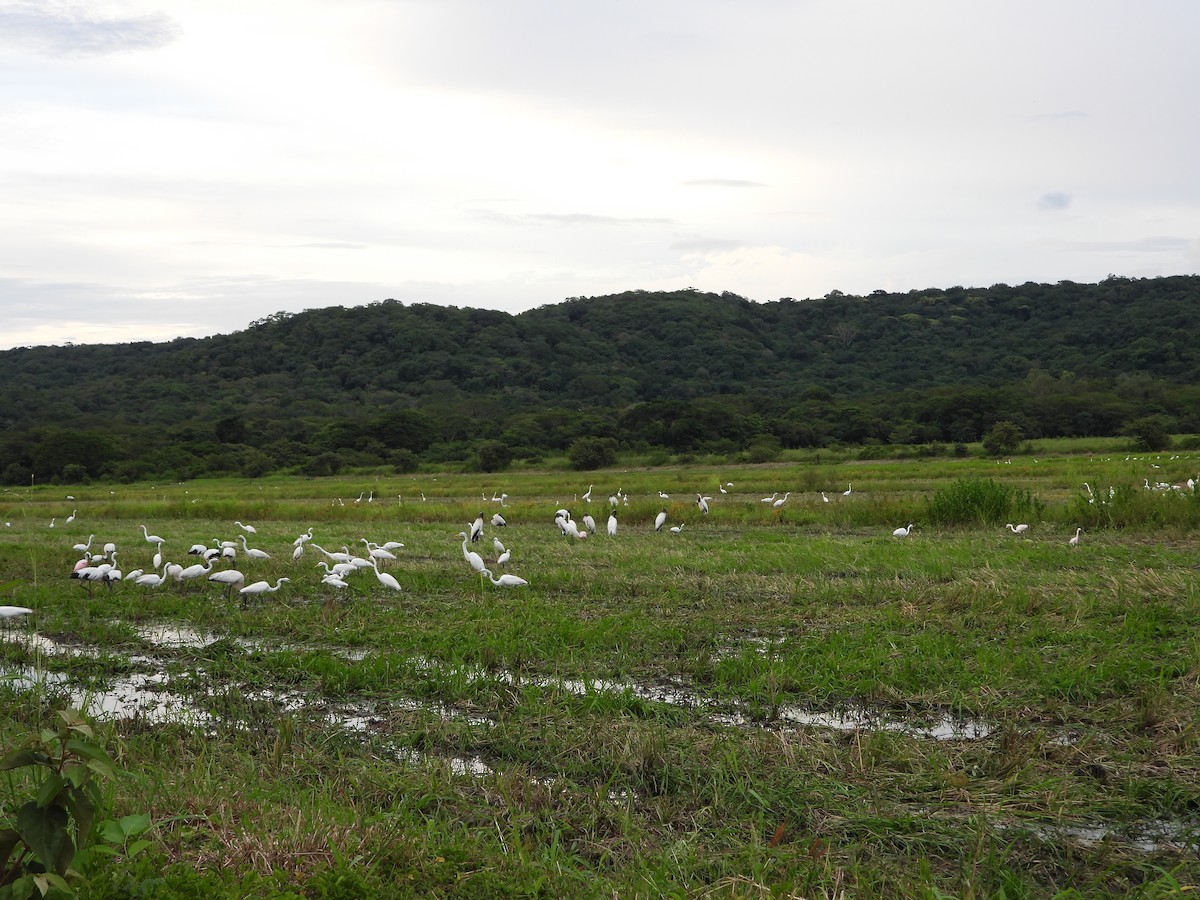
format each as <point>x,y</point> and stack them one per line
<point>772,700</point>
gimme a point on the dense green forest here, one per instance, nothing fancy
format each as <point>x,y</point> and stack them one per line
<point>683,372</point>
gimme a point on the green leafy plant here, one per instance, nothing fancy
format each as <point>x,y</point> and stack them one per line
<point>46,840</point>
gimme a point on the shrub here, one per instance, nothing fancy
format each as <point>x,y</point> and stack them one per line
<point>968,501</point>
<point>494,456</point>
<point>592,453</point>
<point>1149,433</point>
<point>1003,438</point>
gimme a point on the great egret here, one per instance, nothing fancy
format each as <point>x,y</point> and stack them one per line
<point>11,612</point>
<point>252,552</point>
<point>84,548</point>
<point>1017,529</point>
<point>823,497</point>
<point>499,546</point>
<point>387,580</point>
<point>262,587</point>
<point>503,557</point>
<point>848,490</point>
<point>151,538</point>
<point>1074,542</point>
<point>71,517</point>
<point>194,571</point>
<point>664,495</point>
<point>770,499</point>
<point>505,580</point>
<point>660,520</point>
<point>473,559</point>
<point>587,498</point>
<point>612,524</point>
<point>231,578</point>
<point>782,500</point>
<point>903,532</point>
<point>338,569</point>
<point>303,539</point>
<point>249,529</point>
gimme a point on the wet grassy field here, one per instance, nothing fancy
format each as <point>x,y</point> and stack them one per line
<point>772,701</point>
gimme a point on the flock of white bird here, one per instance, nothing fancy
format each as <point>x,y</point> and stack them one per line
<point>102,566</point>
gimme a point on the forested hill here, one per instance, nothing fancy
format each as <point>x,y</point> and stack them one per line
<point>610,353</point>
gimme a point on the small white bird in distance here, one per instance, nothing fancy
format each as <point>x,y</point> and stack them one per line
<point>11,612</point>
<point>847,491</point>
<point>1017,529</point>
<point>1074,542</point>
<point>675,529</point>
<point>770,499</point>
<point>903,532</point>
<point>664,495</point>
<point>249,529</point>
<point>782,500</point>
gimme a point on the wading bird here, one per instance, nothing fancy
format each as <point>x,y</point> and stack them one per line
<point>848,490</point>
<point>253,552</point>
<point>903,532</point>
<point>675,529</point>
<point>702,503</point>
<point>262,587</point>
<point>477,528</point>
<point>498,521</point>
<point>505,580</point>
<point>782,500</point>
<point>473,559</point>
<point>11,612</point>
<point>1074,542</point>
<point>387,580</point>
<point>660,520</point>
<point>1017,529</point>
<point>151,538</point>
<point>231,578</point>
<point>249,529</point>
<point>612,524</point>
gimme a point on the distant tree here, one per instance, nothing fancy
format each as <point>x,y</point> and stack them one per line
<point>1002,439</point>
<point>1150,432</point>
<point>592,453</point>
<point>230,429</point>
<point>494,456</point>
<point>322,464</point>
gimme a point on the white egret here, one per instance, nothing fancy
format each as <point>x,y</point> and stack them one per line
<point>11,612</point>
<point>84,548</point>
<point>848,490</point>
<point>473,559</point>
<point>335,581</point>
<point>505,580</point>
<point>587,498</point>
<point>134,575</point>
<point>304,538</point>
<point>385,578</point>
<point>499,546</point>
<point>782,500</point>
<point>338,569</point>
<point>151,538</point>
<point>664,496</point>
<point>660,520</point>
<point>298,551</point>
<point>262,587</point>
<point>71,517</point>
<point>675,529</point>
<point>770,499</point>
<point>231,578</point>
<point>374,551</point>
<point>1074,542</point>
<point>823,497</point>
<point>1017,529</point>
<point>391,545</point>
<point>503,557</point>
<point>249,529</point>
<point>52,518</point>
<point>903,532</point>
<point>194,571</point>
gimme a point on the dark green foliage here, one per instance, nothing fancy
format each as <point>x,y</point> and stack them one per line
<point>494,456</point>
<point>685,371</point>
<point>1003,438</point>
<point>972,501</point>
<point>1150,433</point>
<point>592,453</point>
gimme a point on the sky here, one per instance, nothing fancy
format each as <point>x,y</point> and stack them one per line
<point>180,168</point>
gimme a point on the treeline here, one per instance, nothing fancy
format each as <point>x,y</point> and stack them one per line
<point>681,372</point>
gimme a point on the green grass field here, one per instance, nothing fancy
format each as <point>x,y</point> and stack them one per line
<point>771,702</point>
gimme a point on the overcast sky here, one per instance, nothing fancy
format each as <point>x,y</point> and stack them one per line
<point>177,167</point>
